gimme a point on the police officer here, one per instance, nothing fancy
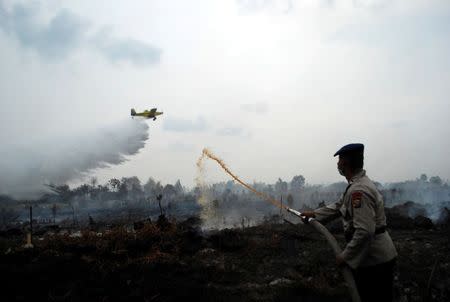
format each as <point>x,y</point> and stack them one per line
<point>369,252</point>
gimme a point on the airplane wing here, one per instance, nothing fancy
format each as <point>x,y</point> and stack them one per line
<point>153,111</point>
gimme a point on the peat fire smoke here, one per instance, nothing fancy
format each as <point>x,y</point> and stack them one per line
<point>67,155</point>
<point>208,154</point>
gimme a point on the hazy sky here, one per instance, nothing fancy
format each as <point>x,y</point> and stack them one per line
<point>272,87</point>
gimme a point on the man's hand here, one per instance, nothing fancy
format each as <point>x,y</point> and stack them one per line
<point>340,260</point>
<point>306,215</point>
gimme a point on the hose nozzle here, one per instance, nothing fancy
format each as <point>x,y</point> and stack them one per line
<point>298,214</point>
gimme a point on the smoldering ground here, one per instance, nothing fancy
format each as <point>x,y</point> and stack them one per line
<point>28,163</point>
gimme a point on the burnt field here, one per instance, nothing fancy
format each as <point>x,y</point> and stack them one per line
<point>165,260</point>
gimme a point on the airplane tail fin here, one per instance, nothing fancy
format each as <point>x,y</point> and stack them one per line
<point>133,112</point>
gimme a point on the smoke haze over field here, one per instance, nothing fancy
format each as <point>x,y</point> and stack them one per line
<point>27,165</point>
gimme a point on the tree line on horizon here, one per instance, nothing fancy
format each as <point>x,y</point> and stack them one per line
<point>291,192</point>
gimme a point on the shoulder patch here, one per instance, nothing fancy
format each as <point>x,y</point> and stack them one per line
<point>356,199</point>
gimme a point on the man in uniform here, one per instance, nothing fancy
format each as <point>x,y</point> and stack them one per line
<point>369,252</point>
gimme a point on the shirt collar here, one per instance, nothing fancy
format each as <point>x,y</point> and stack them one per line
<point>357,176</point>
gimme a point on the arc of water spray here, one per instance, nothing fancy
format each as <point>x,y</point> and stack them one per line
<point>209,154</point>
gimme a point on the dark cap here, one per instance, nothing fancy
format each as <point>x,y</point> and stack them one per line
<point>351,149</point>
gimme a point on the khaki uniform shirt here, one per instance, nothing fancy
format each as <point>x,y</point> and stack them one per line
<point>362,210</point>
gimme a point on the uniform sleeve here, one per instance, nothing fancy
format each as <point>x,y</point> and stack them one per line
<point>329,212</point>
<point>364,224</point>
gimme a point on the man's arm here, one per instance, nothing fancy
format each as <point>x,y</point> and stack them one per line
<point>327,213</point>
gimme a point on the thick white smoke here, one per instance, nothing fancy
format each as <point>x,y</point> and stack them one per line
<point>27,166</point>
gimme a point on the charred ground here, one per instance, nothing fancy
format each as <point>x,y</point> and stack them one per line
<point>166,260</point>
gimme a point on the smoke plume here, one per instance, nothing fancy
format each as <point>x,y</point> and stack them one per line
<point>27,166</point>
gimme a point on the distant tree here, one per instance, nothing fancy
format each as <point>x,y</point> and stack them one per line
<point>103,188</point>
<point>98,191</point>
<point>227,195</point>
<point>159,198</point>
<point>229,185</point>
<point>82,190</point>
<point>197,191</point>
<point>178,187</point>
<point>436,180</point>
<point>281,187</point>
<point>92,223</point>
<point>93,181</point>
<point>297,183</point>
<point>149,186</point>
<point>217,187</point>
<point>132,186</point>
<point>169,191</point>
<point>132,183</point>
<point>123,190</point>
<point>54,210</point>
<point>136,188</point>
<point>269,189</point>
<point>63,191</point>
<point>101,192</point>
<point>158,188</point>
<point>260,186</point>
<point>423,177</point>
<point>114,184</point>
<point>290,201</point>
<point>216,203</point>
<point>74,220</point>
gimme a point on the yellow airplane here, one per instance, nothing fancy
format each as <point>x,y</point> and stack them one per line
<point>147,114</point>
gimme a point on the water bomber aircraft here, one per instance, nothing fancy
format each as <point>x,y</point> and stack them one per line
<point>146,114</point>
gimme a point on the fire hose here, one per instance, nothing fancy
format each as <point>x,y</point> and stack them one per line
<point>346,272</point>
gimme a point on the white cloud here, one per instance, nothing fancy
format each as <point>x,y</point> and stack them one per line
<point>66,32</point>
